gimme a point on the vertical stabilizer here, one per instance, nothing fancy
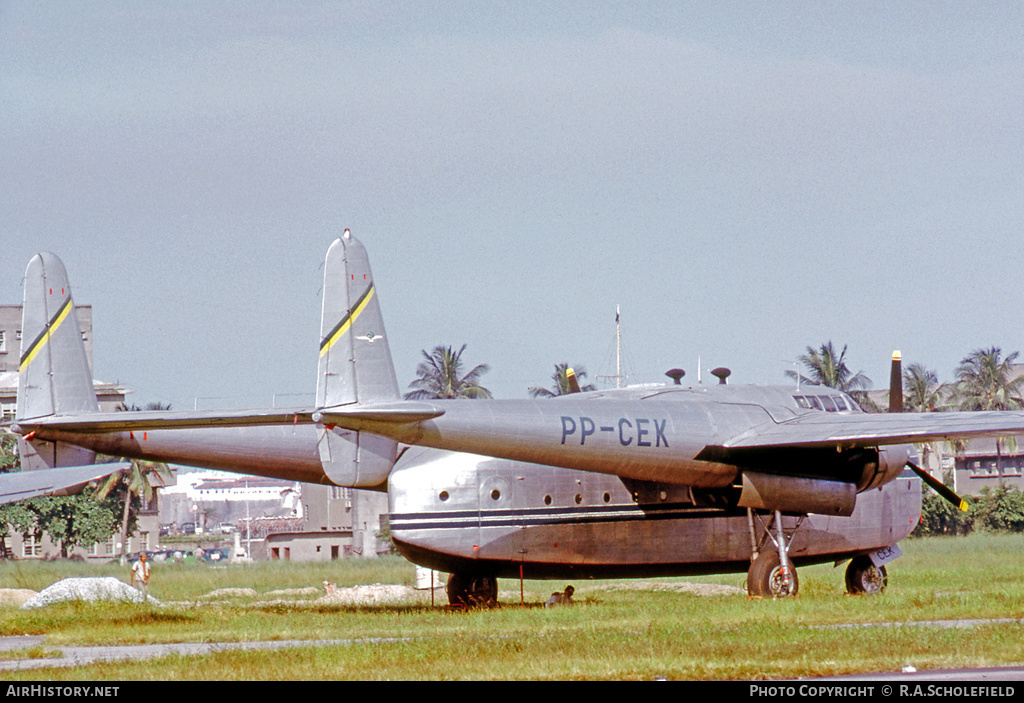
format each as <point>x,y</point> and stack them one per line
<point>355,360</point>
<point>53,375</point>
<point>355,366</point>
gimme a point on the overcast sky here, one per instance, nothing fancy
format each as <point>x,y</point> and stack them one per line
<point>743,179</point>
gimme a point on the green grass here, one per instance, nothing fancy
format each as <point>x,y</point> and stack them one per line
<point>612,633</point>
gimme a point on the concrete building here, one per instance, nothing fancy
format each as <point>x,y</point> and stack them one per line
<point>340,522</point>
<point>276,519</point>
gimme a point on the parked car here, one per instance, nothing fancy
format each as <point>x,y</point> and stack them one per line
<point>215,554</point>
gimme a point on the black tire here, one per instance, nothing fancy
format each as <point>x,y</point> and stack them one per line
<point>864,578</point>
<point>469,591</point>
<point>457,590</point>
<point>483,591</point>
<point>767,579</point>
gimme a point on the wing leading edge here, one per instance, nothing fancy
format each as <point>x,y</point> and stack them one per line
<point>869,430</point>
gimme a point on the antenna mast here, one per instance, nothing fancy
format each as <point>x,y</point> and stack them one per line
<point>618,350</point>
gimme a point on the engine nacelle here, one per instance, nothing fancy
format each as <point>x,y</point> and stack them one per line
<point>833,491</point>
<point>885,467</point>
<point>793,494</point>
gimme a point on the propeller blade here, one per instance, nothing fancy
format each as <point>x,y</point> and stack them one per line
<point>574,384</point>
<point>939,487</point>
<point>896,384</point>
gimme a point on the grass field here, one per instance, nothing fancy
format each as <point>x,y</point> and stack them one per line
<point>616,631</point>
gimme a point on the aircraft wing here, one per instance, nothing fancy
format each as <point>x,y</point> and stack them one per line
<point>63,481</point>
<point>816,430</point>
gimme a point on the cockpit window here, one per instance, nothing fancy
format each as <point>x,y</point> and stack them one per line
<point>828,403</point>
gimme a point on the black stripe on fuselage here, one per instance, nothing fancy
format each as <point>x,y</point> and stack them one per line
<point>460,519</point>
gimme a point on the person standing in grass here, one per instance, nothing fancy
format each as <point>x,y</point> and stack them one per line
<point>140,574</point>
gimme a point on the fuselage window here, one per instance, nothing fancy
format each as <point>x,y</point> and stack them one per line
<point>829,405</point>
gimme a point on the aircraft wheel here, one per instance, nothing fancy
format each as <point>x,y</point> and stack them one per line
<point>457,590</point>
<point>471,591</point>
<point>483,591</point>
<point>767,578</point>
<point>863,577</point>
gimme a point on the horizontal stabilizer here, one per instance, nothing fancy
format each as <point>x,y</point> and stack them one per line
<point>63,481</point>
<point>399,413</point>
<point>160,420</point>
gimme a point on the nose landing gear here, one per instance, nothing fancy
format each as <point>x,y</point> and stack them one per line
<point>863,577</point>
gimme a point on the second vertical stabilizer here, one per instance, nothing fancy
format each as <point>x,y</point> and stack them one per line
<point>354,366</point>
<point>53,374</point>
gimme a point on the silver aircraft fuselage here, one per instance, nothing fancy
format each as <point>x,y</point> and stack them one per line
<point>468,513</point>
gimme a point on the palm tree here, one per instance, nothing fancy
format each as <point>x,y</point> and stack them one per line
<point>920,389</point>
<point>827,368</point>
<point>440,376</point>
<point>921,395</point>
<point>986,382</point>
<point>137,481</point>
<point>561,379</point>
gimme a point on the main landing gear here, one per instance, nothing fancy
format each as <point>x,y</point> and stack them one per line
<point>472,590</point>
<point>771,574</point>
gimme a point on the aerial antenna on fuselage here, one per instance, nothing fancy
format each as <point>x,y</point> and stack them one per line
<point>618,352</point>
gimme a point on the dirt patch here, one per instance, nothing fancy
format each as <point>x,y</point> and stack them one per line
<point>699,589</point>
<point>15,597</point>
<point>380,594</point>
<point>224,593</point>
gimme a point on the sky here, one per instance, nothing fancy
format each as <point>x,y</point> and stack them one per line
<point>741,180</point>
